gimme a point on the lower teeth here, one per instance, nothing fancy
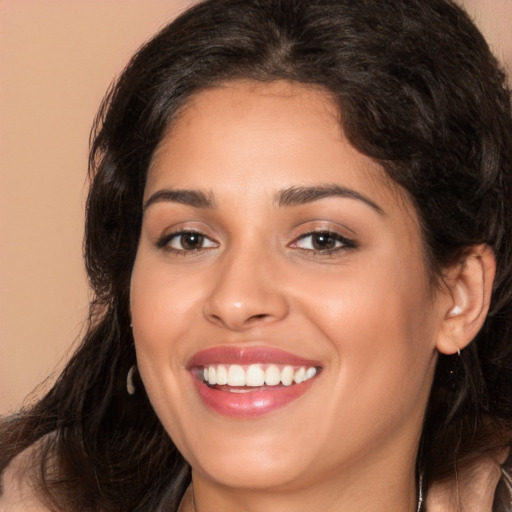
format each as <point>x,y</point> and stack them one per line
<point>244,390</point>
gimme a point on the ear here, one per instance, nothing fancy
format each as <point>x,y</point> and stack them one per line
<point>466,298</point>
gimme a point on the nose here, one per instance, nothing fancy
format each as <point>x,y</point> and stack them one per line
<point>247,292</point>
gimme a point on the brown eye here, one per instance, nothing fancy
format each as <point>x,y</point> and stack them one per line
<point>186,241</point>
<point>323,242</point>
<point>191,241</point>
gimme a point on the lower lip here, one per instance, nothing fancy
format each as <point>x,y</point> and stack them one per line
<point>252,403</point>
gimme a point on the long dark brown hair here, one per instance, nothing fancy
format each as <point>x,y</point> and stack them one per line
<point>418,90</point>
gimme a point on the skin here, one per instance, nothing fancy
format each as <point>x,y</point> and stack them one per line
<point>472,491</point>
<point>367,310</point>
<point>475,487</point>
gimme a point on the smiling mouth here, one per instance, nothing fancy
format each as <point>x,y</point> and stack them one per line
<point>245,382</point>
<point>238,378</point>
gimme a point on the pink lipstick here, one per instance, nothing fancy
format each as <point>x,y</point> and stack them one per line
<point>250,381</point>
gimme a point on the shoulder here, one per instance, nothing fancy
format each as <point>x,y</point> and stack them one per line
<point>18,490</point>
<point>503,501</point>
<point>474,488</point>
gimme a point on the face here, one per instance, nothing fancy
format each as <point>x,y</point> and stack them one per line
<point>283,317</point>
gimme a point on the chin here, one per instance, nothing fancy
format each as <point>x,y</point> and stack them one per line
<point>256,471</point>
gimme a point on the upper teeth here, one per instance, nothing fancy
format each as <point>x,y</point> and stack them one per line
<point>256,375</point>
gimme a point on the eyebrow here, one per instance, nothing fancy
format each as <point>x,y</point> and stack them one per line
<point>295,196</point>
<point>194,198</point>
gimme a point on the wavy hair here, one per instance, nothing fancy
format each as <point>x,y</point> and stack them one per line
<point>417,90</point>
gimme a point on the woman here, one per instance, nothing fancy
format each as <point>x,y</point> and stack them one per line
<point>298,238</point>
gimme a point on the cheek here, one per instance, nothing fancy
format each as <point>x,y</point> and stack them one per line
<point>161,312</point>
<point>384,337</point>
<point>158,323</point>
<point>162,307</point>
<point>388,296</point>
<point>381,323</point>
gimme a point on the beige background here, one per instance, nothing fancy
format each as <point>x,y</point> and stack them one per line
<point>57,57</point>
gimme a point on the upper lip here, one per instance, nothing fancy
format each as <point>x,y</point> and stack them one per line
<point>247,355</point>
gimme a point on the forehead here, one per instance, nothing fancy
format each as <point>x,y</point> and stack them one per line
<point>278,129</point>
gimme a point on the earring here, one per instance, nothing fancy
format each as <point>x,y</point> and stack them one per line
<point>420,493</point>
<point>457,310</point>
<point>130,387</point>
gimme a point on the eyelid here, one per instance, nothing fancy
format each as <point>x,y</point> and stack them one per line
<point>343,242</point>
<point>167,226</point>
<point>165,241</point>
<point>337,232</point>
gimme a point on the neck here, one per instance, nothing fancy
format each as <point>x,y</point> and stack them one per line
<point>383,493</point>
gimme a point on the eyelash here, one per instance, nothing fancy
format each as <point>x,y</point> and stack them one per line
<point>165,242</point>
<point>341,243</point>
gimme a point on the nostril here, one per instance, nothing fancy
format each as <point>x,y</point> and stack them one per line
<point>258,317</point>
